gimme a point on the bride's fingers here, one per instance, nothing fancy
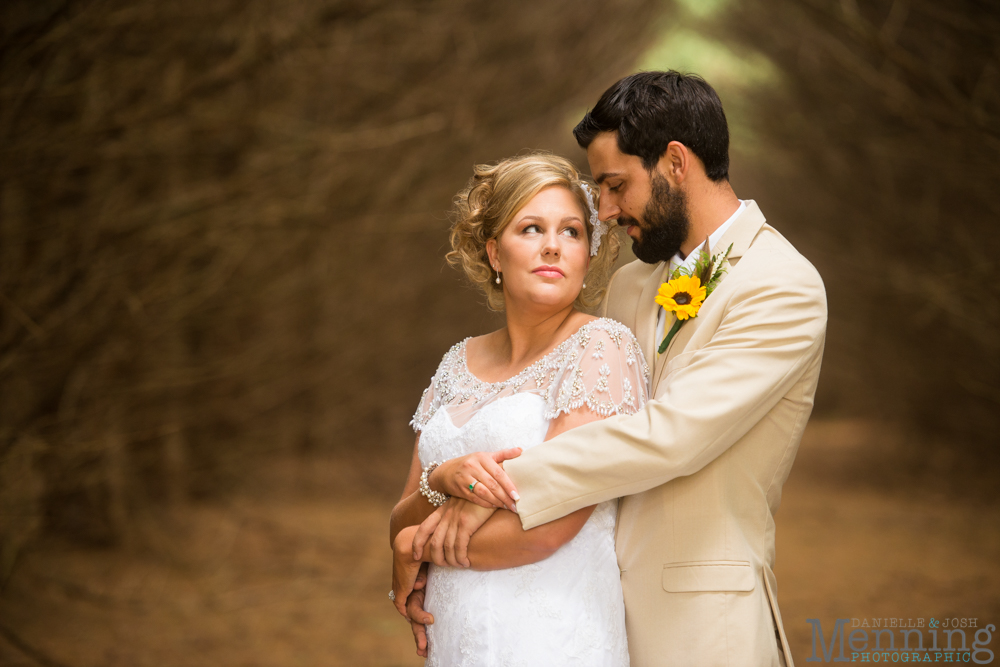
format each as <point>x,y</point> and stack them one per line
<point>424,532</point>
<point>494,488</point>
<point>480,495</point>
<point>400,596</point>
<point>496,470</point>
<point>488,500</point>
<point>400,607</point>
<point>506,454</point>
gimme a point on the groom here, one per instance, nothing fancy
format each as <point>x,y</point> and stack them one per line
<point>700,468</point>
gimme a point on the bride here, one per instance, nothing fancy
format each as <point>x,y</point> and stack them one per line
<point>526,232</point>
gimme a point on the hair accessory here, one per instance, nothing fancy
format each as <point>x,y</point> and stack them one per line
<point>599,227</point>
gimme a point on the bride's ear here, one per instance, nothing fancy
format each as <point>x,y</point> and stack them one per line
<point>493,252</point>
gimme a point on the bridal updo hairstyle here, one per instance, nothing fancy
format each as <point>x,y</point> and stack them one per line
<point>485,207</point>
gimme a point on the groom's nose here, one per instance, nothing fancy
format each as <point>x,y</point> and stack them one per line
<point>607,209</point>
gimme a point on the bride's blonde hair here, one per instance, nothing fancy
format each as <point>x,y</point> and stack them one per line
<point>485,207</point>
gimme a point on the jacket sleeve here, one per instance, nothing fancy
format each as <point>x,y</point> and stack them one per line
<point>770,333</point>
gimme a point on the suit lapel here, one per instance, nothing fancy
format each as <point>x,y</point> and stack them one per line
<point>741,234</point>
<point>647,311</point>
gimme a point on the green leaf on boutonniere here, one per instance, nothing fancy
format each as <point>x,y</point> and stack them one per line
<point>682,299</point>
<point>720,270</point>
<point>670,336</point>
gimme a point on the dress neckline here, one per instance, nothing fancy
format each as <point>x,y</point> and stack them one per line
<point>518,378</point>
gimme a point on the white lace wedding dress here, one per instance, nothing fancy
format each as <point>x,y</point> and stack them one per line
<point>568,608</point>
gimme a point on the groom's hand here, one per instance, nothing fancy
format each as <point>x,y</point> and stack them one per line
<point>446,532</point>
<point>419,619</point>
<point>483,471</point>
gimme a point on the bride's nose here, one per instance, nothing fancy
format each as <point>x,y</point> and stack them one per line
<point>551,247</point>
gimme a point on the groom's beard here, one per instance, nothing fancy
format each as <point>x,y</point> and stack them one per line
<point>664,226</point>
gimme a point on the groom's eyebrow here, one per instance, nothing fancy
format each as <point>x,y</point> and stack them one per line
<point>605,176</point>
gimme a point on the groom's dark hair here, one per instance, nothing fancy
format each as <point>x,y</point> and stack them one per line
<point>648,110</point>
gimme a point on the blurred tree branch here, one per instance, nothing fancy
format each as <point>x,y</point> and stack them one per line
<point>888,111</point>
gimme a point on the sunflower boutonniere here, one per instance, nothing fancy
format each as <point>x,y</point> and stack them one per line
<point>687,289</point>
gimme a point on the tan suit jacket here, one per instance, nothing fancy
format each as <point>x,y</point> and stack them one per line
<point>700,468</point>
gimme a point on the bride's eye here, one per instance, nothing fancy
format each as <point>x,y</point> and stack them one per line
<point>534,229</point>
<point>572,231</point>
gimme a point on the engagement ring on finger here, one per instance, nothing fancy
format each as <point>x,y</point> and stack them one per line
<point>392,595</point>
<point>472,486</point>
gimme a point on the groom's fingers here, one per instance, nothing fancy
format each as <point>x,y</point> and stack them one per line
<point>420,581</point>
<point>424,532</point>
<point>415,609</point>
<point>419,619</point>
<point>449,544</point>
<point>419,638</point>
<point>462,546</point>
<point>436,543</point>
<point>437,548</point>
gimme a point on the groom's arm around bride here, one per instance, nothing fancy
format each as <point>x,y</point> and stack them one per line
<point>700,467</point>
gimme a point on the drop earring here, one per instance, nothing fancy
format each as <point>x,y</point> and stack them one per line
<point>498,277</point>
<point>585,286</point>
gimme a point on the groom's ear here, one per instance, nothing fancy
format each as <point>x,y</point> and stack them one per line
<point>676,163</point>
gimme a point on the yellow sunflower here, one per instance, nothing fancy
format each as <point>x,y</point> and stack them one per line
<point>682,296</point>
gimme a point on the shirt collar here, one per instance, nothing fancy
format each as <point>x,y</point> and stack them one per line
<point>688,262</point>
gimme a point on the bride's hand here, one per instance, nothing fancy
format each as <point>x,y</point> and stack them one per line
<point>448,530</point>
<point>492,487</point>
<point>404,569</point>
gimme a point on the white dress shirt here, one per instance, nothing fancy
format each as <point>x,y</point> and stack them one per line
<point>689,262</point>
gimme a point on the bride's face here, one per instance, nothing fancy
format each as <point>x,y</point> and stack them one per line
<point>543,254</point>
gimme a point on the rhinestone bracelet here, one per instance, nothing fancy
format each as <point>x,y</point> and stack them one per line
<point>435,498</point>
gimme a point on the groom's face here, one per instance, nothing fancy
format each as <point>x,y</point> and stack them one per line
<point>653,212</point>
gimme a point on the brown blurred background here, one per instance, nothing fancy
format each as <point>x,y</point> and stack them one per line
<point>222,290</point>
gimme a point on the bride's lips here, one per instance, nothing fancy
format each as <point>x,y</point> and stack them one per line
<point>549,271</point>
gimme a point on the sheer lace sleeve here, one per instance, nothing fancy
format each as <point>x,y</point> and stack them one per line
<point>429,403</point>
<point>440,390</point>
<point>607,373</point>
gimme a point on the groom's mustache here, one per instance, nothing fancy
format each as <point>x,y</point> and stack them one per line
<point>624,220</point>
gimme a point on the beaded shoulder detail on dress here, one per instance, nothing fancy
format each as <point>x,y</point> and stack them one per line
<point>575,373</point>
